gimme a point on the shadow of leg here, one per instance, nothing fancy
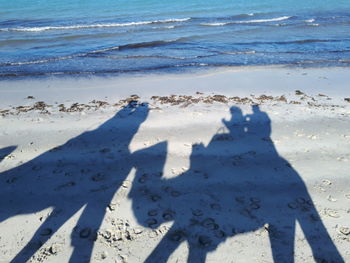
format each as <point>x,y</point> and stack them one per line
<point>196,254</point>
<point>166,247</point>
<point>90,220</point>
<point>44,233</point>
<point>282,241</point>
<point>323,248</point>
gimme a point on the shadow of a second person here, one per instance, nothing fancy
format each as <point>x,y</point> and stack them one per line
<point>84,173</point>
<point>238,183</point>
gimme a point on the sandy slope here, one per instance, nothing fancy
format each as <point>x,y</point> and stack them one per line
<point>200,177</point>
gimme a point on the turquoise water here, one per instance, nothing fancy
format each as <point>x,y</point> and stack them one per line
<point>113,37</point>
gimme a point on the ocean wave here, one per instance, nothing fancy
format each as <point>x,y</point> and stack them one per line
<point>155,43</point>
<point>45,28</point>
<point>249,21</point>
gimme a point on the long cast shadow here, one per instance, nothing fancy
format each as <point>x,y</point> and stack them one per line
<point>85,173</point>
<point>236,184</point>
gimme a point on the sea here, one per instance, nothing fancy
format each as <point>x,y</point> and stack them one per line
<point>90,37</point>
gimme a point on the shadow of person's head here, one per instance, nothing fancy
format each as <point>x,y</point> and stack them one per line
<point>256,108</point>
<point>125,122</point>
<point>134,108</point>
<point>236,124</point>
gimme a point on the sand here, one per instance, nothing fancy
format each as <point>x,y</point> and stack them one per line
<point>244,165</point>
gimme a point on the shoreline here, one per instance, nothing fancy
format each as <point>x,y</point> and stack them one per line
<point>231,82</point>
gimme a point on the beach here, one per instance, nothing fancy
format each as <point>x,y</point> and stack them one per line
<point>236,164</point>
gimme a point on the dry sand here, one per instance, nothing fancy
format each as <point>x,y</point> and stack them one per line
<point>234,166</point>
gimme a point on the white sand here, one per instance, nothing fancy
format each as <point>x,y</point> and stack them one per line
<point>221,198</point>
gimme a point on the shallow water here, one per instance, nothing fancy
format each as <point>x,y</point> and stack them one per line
<point>90,37</point>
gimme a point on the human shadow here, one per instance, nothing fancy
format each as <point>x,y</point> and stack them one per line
<point>82,174</point>
<point>236,184</point>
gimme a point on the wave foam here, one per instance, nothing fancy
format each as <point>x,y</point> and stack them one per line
<point>265,20</point>
<point>249,21</point>
<point>214,24</point>
<point>310,20</point>
<point>45,28</point>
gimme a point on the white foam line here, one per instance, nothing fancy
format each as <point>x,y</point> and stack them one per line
<point>265,20</point>
<point>249,21</point>
<point>214,24</point>
<point>44,28</point>
<point>310,20</point>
